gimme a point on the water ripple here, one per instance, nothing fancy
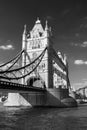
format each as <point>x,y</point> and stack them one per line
<point>14,118</point>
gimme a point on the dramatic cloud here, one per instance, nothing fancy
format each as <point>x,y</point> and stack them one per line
<point>80,62</point>
<point>7,47</point>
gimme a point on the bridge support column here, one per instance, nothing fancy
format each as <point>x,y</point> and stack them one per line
<point>50,62</point>
<point>26,99</point>
<point>55,95</point>
<point>50,69</point>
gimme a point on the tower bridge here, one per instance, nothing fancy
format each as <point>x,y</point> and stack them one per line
<point>42,78</point>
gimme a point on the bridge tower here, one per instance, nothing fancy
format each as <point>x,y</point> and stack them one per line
<point>34,43</point>
<point>41,63</point>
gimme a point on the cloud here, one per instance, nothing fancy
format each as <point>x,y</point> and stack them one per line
<point>83,44</point>
<point>7,47</point>
<point>80,62</point>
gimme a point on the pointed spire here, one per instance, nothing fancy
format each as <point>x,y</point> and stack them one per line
<point>38,21</point>
<point>65,59</point>
<point>46,26</point>
<point>25,31</point>
<point>59,54</point>
<point>24,37</point>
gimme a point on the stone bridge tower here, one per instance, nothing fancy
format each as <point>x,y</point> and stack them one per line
<point>34,43</point>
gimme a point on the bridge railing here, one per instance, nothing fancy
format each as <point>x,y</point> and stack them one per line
<point>15,86</point>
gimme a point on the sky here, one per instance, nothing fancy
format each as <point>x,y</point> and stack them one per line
<point>68,20</point>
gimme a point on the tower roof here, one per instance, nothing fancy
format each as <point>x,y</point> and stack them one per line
<point>38,21</point>
<point>37,29</point>
<point>38,26</point>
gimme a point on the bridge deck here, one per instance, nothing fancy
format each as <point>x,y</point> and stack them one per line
<point>15,87</point>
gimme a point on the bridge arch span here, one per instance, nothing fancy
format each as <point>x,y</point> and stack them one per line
<point>36,81</point>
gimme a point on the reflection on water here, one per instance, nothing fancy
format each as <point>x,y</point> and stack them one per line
<point>12,118</point>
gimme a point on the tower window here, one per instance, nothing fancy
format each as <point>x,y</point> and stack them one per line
<point>40,34</point>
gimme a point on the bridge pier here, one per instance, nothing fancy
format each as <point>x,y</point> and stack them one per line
<point>25,99</point>
<point>15,99</point>
<point>53,97</point>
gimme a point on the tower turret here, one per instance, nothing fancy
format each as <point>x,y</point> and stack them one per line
<point>46,29</point>
<point>24,37</point>
<point>24,42</point>
<point>60,55</point>
<point>46,26</point>
<point>65,59</point>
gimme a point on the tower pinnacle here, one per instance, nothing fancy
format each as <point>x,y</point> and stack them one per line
<point>25,29</point>
<point>46,26</point>
<point>38,21</point>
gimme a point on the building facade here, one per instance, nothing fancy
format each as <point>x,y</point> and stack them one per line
<point>34,43</point>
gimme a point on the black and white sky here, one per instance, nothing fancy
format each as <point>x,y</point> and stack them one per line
<point>68,19</point>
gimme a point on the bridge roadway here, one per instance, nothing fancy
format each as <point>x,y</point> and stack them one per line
<point>15,87</point>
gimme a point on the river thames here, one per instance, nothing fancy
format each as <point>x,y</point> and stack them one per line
<point>14,118</point>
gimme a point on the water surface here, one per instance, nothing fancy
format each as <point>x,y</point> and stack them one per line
<point>14,118</point>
